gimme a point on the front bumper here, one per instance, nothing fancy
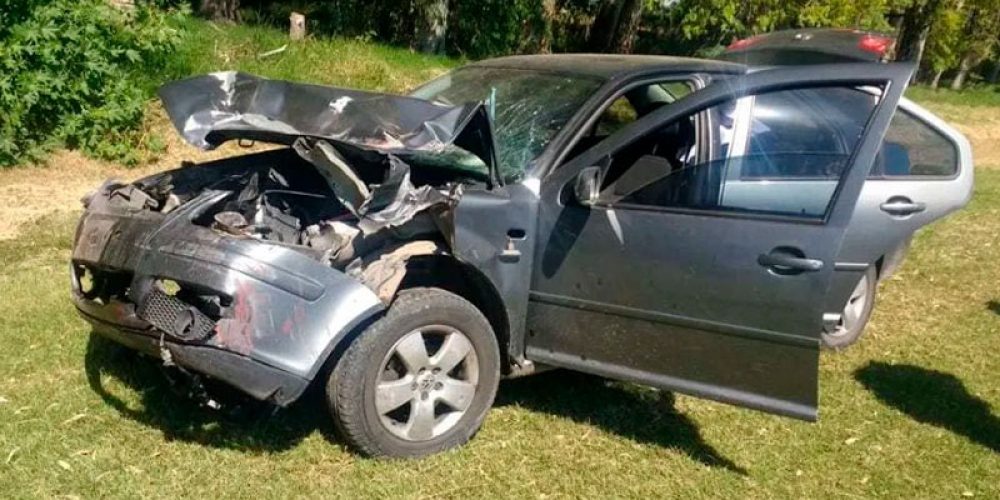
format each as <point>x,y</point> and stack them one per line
<point>282,313</point>
<point>117,322</point>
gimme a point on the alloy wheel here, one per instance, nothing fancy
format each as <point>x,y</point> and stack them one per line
<point>426,383</point>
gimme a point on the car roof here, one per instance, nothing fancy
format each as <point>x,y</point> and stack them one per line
<point>610,66</point>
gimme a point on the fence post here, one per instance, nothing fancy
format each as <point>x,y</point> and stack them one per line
<point>297,28</point>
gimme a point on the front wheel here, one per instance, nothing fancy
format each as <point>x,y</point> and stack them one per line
<point>419,380</point>
<point>856,312</point>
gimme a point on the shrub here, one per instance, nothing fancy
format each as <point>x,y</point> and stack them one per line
<point>483,28</point>
<point>78,73</point>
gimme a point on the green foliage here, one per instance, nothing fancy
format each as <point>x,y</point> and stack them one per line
<point>338,61</point>
<point>943,43</point>
<point>482,28</point>
<point>700,26</point>
<point>388,20</point>
<point>78,73</point>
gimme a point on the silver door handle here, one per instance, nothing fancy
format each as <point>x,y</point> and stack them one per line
<point>901,206</point>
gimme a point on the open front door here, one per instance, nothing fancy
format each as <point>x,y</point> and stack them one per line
<point>678,276</point>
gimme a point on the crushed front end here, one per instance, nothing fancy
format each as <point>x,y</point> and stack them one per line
<point>253,270</point>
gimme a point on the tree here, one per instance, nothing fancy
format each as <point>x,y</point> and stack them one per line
<point>710,23</point>
<point>220,10</point>
<point>431,25</point>
<point>941,52</point>
<point>615,26</point>
<point>916,26</point>
<point>980,37</point>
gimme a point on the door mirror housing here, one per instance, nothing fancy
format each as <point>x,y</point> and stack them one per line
<point>587,186</point>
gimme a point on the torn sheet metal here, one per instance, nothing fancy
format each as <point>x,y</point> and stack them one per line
<point>383,272</point>
<point>211,109</point>
<point>390,205</point>
<point>343,181</point>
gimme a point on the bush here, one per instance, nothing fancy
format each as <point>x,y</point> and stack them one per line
<point>483,28</point>
<point>78,73</point>
<point>476,28</point>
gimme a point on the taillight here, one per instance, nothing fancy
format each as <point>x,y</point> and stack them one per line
<point>874,44</point>
<point>744,43</point>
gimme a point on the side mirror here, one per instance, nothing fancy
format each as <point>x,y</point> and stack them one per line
<point>587,186</point>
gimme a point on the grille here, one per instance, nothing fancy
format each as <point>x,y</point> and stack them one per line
<point>175,317</point>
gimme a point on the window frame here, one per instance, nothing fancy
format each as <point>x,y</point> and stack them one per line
<point>921,116</point>
<point>751,214</point>
<point>697,81</point>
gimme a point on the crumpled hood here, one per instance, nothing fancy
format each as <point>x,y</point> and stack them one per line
<point>211,109</point>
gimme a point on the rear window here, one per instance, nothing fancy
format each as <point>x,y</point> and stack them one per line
<point>912,148</point>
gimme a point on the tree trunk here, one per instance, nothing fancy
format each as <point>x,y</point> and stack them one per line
<point>602,30</point>
<point>431,25</point>
<point>221,10</point>
<point>549,12</point>
<point>615,26</point>
<point>963,71</point>
<point>915,27</point>
<point>628,26</point>
<point>937,79</point>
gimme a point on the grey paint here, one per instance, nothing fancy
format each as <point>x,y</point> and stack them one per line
<point>208,110</point>
<point>673,299</point>
<point>691,282</point>
<point>290,310</point>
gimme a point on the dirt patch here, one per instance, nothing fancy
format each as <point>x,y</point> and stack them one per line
<point>58,185</point>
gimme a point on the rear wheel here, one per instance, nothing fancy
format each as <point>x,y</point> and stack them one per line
<point>856,313</point>
<point>418,381</point>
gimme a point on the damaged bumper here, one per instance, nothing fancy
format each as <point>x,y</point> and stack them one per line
<point>252,270</point>
<point>261,317</point>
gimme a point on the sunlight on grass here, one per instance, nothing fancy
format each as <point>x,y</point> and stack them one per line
<point>79,416</point>
<point>329,61</point>
<point>911,411</point>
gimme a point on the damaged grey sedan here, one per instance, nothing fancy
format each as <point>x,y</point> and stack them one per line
<point>692,225</point>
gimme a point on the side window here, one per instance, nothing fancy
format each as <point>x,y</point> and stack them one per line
<point>780,152</point>
<point>913,148</point>
<point>629,107</point>
<point>616,116</point>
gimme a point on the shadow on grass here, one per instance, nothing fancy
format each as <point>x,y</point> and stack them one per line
<point>641,414</point>
<point>241,424</point>
<point>933,397</point>
<point>994,306</point>
<point>247,425</point>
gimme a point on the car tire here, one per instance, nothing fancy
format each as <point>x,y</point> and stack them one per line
<point>856,313</point>
<point>395,393</point>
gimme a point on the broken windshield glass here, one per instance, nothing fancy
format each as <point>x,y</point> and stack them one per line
<point>531,106</point>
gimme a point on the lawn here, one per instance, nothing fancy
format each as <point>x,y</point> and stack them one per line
<point>912,411</point>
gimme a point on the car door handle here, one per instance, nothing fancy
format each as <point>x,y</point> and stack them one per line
<point>901,206</point>
<point>783,262</point>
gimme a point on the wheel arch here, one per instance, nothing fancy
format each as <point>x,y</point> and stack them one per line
<point>446,272</point>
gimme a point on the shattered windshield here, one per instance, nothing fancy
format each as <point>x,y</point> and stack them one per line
<point>531,106</point>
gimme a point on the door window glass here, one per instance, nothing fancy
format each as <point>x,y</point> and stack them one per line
<point>781,152</point>
<point>629,107</point>
<point>913,148</point>
<point>619,114</point>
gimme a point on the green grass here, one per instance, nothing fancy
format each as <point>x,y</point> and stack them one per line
<point>332,61</point>
<point>909,412</point>
<point>906,413</point>
<point>976,96</point>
